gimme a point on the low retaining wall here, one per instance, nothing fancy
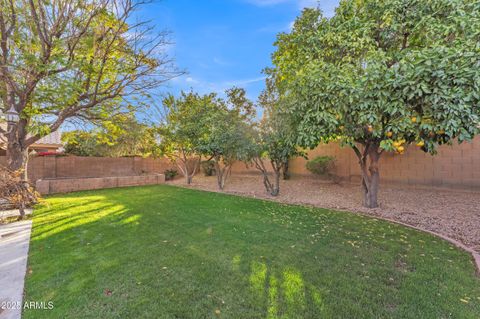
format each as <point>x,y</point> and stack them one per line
<point>53,167</point>
<point>66,185</point>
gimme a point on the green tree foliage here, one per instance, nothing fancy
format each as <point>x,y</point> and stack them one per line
<point>121,136</point>
<point>226,139</point>
<point>73,60</point>
<point>184,128</point>
<point>275,140</point>
<point>380,75</point>
<point>82,143</point>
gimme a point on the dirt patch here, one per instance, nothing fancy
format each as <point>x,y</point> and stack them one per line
<point>455,214</point>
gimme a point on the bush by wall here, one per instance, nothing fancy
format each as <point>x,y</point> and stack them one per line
<point>208,168</point>
<point>321,165</point>
<point>170,174</point>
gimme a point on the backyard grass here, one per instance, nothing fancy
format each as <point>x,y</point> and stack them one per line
<point>168,252</point>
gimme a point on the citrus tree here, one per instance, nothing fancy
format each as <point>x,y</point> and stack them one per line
<point>380,75</point>
<point>183,129</point>
<point>226,136</point>
<point>275,139</point>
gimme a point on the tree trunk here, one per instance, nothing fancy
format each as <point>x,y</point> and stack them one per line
<point>272,188</point>
<point>17,147</point>
<point>276,184</point>
<point>21,209</point>
<point>222,173</point>
<point>374,180</point>
<point>267,183</point>
<point>16,156</point>
<point>286,173</point>
<point>184,164</point>
<point>370,174</point>
<point>219,173</point>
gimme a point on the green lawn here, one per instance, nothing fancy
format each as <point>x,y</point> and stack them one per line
<point>168,252</point>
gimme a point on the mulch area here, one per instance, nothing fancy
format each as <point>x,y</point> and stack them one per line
<point>453,213</point>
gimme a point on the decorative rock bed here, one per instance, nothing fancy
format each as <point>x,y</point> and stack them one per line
<point>66,185</point>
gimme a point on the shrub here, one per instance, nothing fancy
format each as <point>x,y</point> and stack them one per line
<point>208,168</point>
<point>322,165</point>
<point>170,174</point>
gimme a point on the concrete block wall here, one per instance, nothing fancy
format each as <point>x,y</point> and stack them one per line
<point>66,185</point>
<point>455,166</point>
<point>51,167</point>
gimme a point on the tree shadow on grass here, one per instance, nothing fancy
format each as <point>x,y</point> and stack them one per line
<point>163,252</point>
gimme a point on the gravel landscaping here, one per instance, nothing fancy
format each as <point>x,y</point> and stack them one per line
<point>455,214</point>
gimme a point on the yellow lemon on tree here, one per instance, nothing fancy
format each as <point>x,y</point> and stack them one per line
<point>414,119</point>
<point>389,134</point>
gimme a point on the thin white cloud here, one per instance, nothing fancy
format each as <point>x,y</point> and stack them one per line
<point>308,3</point>
<point>221,61</point>
<point>246,82</point>
<point>301,3</point>
<point>191,80</point>
<point>205,87</point>
<point>263,3</point>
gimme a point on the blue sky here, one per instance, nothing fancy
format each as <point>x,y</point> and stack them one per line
<point>221,43</point>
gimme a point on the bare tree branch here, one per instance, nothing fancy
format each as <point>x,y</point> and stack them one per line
<point>78,59</point>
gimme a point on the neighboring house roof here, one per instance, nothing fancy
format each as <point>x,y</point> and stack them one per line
<point>53,140</point>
